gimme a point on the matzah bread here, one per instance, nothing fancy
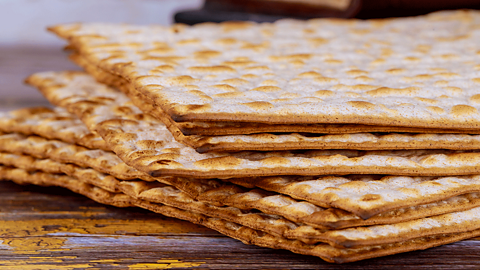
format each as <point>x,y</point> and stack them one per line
<point>50,123</point>
<point>417,71</point>
<point>242,233</point>
<point>179,129</point>
<point>374,235</point>
<point>368,197</point>
<point>147,145</point>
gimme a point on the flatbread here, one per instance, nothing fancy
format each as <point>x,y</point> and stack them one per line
<point>270,73</point>
<point>291,141</point>
<point>52,124</point>
<point>382,200</point>
<point>145,143</point>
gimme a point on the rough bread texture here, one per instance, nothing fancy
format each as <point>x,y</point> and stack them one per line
<point>235,128</point>
<point>234,230</point>
<point>382,200</point>
<point>52,124</point>
<point>417,71</point>
<point>145,143</point>
<point>361,236</point>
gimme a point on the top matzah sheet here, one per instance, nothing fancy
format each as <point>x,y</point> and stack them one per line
<point>418,71</point>
<point>144,143</point>
<point>236,128</point>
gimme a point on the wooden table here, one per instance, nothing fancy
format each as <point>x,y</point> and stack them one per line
<point>53,228</point>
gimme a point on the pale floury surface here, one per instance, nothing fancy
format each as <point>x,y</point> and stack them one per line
<point>418,71</point>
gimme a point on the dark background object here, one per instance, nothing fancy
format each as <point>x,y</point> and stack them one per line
<point>272,10</point>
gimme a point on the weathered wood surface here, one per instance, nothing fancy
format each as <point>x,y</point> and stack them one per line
<point>52,228</point>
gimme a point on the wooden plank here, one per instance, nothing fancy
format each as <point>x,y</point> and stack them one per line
<point>44,228</point>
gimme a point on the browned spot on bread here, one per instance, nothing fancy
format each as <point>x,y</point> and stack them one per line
<point>207,54</point>
<point>452,39</point>
<point>192,87</point>
<point>257,68</point>
<point>356,72</point>
<point>364,79</point>
<point>239,63</point>
<point>150,144</point>
<point>324,80</point>
<point>324,93</point>
<point>427,100</point>
<point>226,41</point>
<point>454,90</point>
<point>475,98</point>
<point>249,76</point>
<point>225,87</point>
<point>356,87</point>
<point>463,110</point>
<point>371,197</point>
<point>162,69</point>
<point>255,47</point>
<point>212,69</point>
<point>411,59</point>
<point>436,110</point>
<point>142,154</point>
<point>197,107</point>
<point>259,105</point>
<point>423,48</point>
<point>266,89</point>
<point>123,110</point>
<point>201,95</point>
<point>235,81</point>
<point>171,59</point>
<point>317,41</point>
<point>218,163</point>
<point>230,95</point>
<point>272,161</point>
<point>441,83</point>
<point>387,91</point>
<point>229,26</point>
<point>181,80</point>
<point>188,41</point>
<point>333,61</point>
<point>269,83</point>
<point>156,164</point>
<point>309,74</point>
<point>395,71</point>
<point>447,74</point>
<point>362,105</point>
<point>476,80</point>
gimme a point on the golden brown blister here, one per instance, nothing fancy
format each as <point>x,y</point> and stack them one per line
<point>243,233</point>
<point>292,141</point>
<point>52,124</point>
<point>147,145</point>
<point>379,84</point>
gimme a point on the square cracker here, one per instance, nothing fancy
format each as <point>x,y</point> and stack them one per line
<point>270,72</point>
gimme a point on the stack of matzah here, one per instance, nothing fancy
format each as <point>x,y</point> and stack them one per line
<point>342,139</point>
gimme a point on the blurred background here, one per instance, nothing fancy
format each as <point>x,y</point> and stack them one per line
<point>26,47</point>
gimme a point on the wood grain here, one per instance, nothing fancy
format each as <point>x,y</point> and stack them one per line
<point>52,228</point>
